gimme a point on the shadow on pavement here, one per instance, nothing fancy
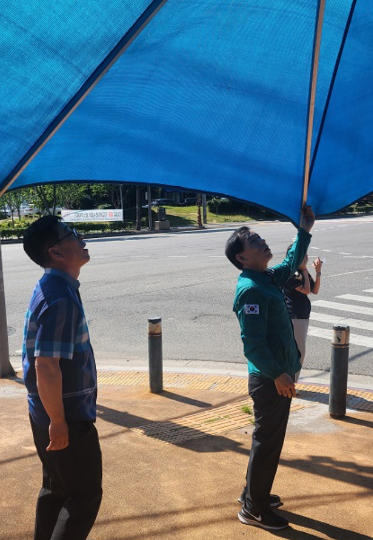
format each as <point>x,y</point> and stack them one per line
<point>168,432</point>
<point>185,399</point>
<point>353,402</point>
<point>165,531</point>
<point>327,467</point>
<point>330,531</point>
<point>356,421</point>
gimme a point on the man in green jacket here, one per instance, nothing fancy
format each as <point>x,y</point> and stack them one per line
<point>273,360</point>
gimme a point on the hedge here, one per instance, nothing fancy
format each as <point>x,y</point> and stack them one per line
<point>7,231</point>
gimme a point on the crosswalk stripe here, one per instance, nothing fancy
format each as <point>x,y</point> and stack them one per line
<point>334,319</point>
<point>368,290</point>
<point>357,297</point>
<point>343,307</point>
<point>355,339</point>
<point>353,272</point>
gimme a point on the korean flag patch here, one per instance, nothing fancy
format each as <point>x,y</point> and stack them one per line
<point>251,309</point>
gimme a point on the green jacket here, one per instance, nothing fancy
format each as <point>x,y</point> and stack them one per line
<point>266,328</point>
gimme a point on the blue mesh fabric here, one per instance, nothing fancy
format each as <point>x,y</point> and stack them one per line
<point>343,170</point>
<point>47,51</point>
<point>213,96</point>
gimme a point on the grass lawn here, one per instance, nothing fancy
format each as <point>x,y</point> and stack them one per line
<point>187,215</point>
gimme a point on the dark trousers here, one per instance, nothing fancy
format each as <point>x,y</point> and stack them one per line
<point>71,493</point>
<point>271,417</point>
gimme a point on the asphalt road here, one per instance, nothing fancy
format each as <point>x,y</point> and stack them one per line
<point>185,278</point>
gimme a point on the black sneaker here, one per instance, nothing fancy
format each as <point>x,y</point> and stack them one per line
<point>274,500</point>
<point>268,521</point>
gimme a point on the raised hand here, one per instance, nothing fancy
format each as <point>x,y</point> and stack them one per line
<point>307,218</point>
<point>317,264</point>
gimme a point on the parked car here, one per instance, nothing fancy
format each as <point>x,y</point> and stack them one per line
<point>161,202</point>
<point>190,201</point>
<point>31,210</point>
<point>5,213</point>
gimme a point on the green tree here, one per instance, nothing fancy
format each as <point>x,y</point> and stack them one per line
<point>13,200</point>
<point>7,201</point>
<point>106,194</point>
<point>75,196</point>
<point>45,198</point>
<point>67,195</point>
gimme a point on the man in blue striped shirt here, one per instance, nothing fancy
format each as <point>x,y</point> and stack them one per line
<point>61,381</point>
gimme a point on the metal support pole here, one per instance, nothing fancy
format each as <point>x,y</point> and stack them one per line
<point>155,355</point>
<point>121,199</point>
<point>204,209</point>
<point>339,370</point>
<point>6,369</point>
<point>150,218</point>
<point>138,209</point>
<point>199,216</point>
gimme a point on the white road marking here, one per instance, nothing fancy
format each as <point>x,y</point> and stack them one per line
<point>356,297</point>
<point>343,307</point>
<point>343,253</point>
<point>368,290</point>
<point>359,256</point>
<point>328,250</point>
<point>177,256</point>
<point>355,339</point>
<point>353,272</point>
<point>334,319</point>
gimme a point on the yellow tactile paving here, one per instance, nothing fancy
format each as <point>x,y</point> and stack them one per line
<point>218,383</point>
<point>356,399</point>
<point>213,421</point>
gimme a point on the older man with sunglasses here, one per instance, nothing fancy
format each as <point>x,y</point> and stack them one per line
<point>60,377</point>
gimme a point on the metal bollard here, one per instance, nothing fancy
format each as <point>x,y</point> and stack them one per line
<point>339,370</point>
<point>155,355</point>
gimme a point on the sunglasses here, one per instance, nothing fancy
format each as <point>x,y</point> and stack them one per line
<point>74,232</point>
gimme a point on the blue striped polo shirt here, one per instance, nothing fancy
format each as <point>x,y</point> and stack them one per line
<point>55,326</point>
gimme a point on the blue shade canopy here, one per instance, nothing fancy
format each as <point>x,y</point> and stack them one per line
<point>212,96</point>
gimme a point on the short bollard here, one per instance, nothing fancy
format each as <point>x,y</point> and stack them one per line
<point>155,355</point>
<point>339,371</point>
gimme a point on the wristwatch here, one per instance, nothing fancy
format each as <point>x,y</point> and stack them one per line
<point>318,273</point>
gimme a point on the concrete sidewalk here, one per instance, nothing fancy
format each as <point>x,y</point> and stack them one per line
<point>174,463</point>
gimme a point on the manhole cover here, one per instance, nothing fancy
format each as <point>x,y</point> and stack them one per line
<point>11,330</point>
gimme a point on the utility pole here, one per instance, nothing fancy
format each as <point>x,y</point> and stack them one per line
<point>6,369</point>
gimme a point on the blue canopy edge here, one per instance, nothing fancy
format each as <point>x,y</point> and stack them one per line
<point>213,97</point>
